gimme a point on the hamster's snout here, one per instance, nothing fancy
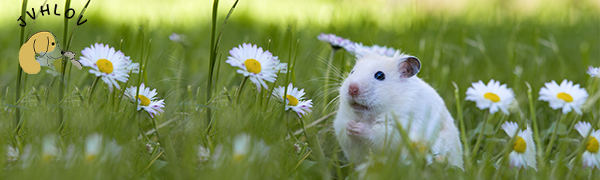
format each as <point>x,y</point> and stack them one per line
<point>353,89</point>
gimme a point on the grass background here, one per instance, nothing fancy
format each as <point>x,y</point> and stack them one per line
<point>457,41</point>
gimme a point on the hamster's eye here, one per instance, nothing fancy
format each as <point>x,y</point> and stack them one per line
<point>52,43</point>
<point>379,76</point>
<point>351,72</point>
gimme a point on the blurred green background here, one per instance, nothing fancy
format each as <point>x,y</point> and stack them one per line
<point>459,41</point>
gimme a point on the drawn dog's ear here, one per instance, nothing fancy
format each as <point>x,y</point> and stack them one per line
<point>39,42</point>
<point>409,66</point>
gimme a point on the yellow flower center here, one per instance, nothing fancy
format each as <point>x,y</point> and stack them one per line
<point>105,66</point>
<point>593,145</point>
<point>564,96</point>
<point>47,157</point>
<point>492,97</point>
<point>144,100</point>
<point>520,145</point>
<point>253,66</point>
<point>90,157</point>
<point>292,101</point>
<point>238,157</point>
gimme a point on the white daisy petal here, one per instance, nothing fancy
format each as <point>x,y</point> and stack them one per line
<point>336,42</point>
<point>591,156</point>
<point>510,128</point>
<point>146,99</point>
<point>566,96</point>
<point>593,71</point>
<point>294,100</point>
<point>523,149</point>
<point>492,96</point>
<point>584,128</point>
<point>107,63</point>
<point>258,65</point>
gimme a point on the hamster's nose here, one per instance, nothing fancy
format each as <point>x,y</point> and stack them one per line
<point>353,89</point>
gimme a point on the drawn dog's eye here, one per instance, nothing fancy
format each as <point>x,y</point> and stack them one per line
<point>379,76</point>
<point>52,43</point>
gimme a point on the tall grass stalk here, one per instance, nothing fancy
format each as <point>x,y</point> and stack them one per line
<point>64,64</point>
<point>461,120</point>
<point>507,149</point>
<point>214,47</point>
<point>68,44</point>
<point>480,138</point>
<point>211,60</point>
<point>579,153</point>
<point>554,134</point>
<point>536,132</point>
<point>91,93</point>
<point>239,91</point>
<point>327,72</point>
<point>20,70</point>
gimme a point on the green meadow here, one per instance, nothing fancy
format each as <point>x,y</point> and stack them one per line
<point>50,119</point>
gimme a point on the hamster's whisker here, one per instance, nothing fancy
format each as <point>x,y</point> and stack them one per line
<point>334,101</point>
<point>330,65</point>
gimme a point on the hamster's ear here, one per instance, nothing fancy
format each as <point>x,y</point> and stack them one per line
<point>409,66</point>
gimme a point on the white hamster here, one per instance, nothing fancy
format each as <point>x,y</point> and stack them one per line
<point>380,89</point>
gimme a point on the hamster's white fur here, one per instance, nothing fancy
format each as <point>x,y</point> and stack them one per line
<point>368,110</point>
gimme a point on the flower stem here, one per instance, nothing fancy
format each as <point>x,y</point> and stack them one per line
<point>549,148</point>
<point>480,138</point>
<point>536,132</point>
<point>89,98</point>
<point>239,91</point>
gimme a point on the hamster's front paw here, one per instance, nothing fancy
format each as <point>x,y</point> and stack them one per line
<point>356,129</point>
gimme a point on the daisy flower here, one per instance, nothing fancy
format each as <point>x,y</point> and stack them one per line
<point>112,151</point>
<point>241,147</point>
<point>245,149</point>
<point>258,65</point>
<point>176,37</point>
<point>294,99</point>
<point>336,42</point>
<point>110,65</point>
<point>203,153</point>
<point>591,157</point>
<point>146,99</point>
<point>12,153</point>
<point>566,96</point>
<point>361,50</point>
<point>149,148</point>
<point>131,66</point>
<point>49,149</point>
<point>593,71</point>
<point>523,150</point>
<point>93,147</point>
<point>493,96</point>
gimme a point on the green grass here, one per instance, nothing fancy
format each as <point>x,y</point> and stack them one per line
<point>464,47</point>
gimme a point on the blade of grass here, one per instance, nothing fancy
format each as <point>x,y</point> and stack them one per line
<point>20,70</point>
<point>459,113</point>
<point>214,47</point>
